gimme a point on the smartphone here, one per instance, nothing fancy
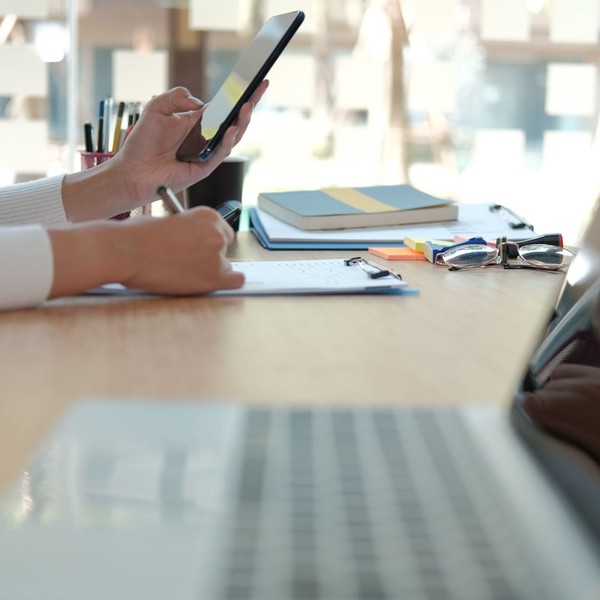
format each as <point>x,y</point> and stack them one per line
<point>253,66</point>
<point>230,210</point>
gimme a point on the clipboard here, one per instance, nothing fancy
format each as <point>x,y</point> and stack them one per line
<point>354,275</point>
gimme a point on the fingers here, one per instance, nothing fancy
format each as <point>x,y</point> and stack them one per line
<point>259,93</point>
<point>178,99</point>
<point>231,280</point>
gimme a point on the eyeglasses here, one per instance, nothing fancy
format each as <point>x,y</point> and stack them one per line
<point>530,256</point>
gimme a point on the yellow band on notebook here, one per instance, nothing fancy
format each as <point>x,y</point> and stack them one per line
<point>358,200</point>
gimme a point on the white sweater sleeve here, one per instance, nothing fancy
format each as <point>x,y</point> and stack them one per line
<point>37,201</point>
<point>26,266</point>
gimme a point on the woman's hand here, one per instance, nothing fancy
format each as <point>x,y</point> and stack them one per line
<point>148,158</point>
<point>181,254</point>
<point>149,151</point>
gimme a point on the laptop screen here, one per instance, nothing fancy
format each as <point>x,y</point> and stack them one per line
<point>560,395</point>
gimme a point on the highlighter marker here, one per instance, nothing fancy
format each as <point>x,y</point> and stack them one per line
<point>117,136</point>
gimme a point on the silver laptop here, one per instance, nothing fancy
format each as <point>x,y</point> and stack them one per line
<point>206,501</point>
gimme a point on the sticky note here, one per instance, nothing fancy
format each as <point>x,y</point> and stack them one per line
<point>419,244</point>
<point>397,253</point>
<point>128,85</point>
<point>571,89</point>
<point>574,21</point>
<point>508,21</point>
<point>432,250</point>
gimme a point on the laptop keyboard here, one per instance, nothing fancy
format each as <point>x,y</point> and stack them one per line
<point>371,505</point>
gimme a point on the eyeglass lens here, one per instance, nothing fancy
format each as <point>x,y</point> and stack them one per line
<point>542,255</point>
<point>471,255</point>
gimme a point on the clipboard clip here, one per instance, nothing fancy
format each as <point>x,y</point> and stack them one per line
<point>514,221</point>
<point>372,270</point>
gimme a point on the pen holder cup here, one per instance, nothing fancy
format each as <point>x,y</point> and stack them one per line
<point>93,159</point>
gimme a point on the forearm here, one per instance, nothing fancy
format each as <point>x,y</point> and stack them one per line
<point>183,254</point>
<point>87,256</point>
<point>98,193</point>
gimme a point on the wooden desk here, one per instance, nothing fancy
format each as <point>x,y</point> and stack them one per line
<point>463,339</point>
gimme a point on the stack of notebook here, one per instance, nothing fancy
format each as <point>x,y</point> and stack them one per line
<point>363,217</point>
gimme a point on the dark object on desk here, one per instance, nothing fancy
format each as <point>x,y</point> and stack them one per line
<point>225,183</point>
<point>231,210</point>
<point>351,207</point>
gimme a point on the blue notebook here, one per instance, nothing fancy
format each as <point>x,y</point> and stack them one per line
<point>352,207</point>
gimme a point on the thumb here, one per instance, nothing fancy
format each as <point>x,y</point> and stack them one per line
<point>178,99</point>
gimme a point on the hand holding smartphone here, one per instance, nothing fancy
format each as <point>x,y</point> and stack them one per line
<point>252,68</point>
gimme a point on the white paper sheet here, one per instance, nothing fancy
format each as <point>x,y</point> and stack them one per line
<point>473,220</point>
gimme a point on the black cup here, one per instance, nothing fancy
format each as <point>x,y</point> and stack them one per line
<point>226,182</point>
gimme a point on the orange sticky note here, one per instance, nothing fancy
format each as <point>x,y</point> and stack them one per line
<point>397,253</point>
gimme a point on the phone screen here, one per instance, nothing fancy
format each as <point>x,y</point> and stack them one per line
<point>239,86</point>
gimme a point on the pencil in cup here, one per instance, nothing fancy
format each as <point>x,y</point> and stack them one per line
<point>93,159</point>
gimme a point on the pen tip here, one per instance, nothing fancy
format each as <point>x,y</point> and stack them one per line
<point>161,190</point>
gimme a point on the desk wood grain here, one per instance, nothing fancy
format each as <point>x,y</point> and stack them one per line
<point>462,339</point>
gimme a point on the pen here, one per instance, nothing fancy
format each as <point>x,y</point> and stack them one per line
<point>100,146</point>
<point>89,143</point>
<point>170,199</point>
<point>130,114</point>
<point>108,117</point>
<point>117,136</point>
